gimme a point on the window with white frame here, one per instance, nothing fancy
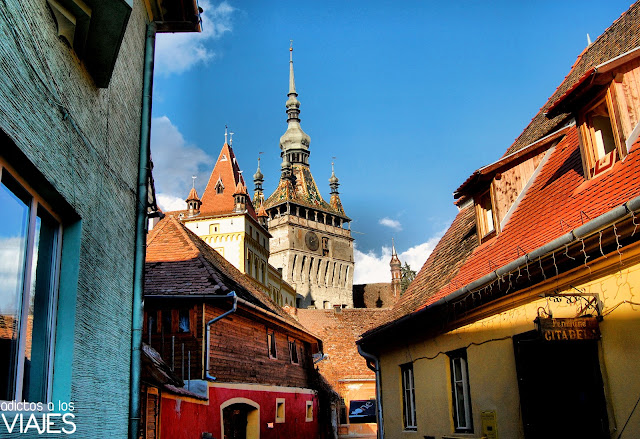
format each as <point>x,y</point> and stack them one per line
<point>30,245</point>
<point>408,397</point>
<point>462,419</point>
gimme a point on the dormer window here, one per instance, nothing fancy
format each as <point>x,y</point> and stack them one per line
<point>485,217</point>
<point>219,187</point>
<point>601,142</point>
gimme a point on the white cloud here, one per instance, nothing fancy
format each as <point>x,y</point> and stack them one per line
<point>174,162</point>
<point>178,52</point>
<point>394,224</point>
<point>169,203</point>
<point>372,267</point>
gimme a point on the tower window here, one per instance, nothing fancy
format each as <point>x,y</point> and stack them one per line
<point>219,187</point>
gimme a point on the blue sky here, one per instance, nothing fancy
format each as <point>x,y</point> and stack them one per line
<point>410,100</point>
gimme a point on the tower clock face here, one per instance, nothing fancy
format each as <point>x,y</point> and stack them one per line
<point>311,239</point>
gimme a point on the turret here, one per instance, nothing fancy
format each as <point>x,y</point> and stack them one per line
<point>240,197</point>
<point>193,201</point>
<point>258,179</point>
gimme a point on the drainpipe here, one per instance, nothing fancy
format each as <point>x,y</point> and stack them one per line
<point>211,322</point>
<point>141,232</point>
<point>373,363</point>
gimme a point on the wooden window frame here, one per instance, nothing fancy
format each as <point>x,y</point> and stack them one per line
<point>484,234</point>
<point>272,347</point>
<point>588,147</point>
<point>293,351</point>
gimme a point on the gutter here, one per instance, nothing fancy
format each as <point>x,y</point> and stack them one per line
<point>141,232</point>
<point>373,363</point>
<point>211,322</point>
<point>576,234</point>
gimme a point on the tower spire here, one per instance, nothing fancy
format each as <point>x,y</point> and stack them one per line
<point>292,82</point>
<point>258,179</point>
<point>396,271</point>
<point>294,143</point>
<point>333,181</point>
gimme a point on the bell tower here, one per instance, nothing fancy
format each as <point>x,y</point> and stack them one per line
<point>311,239</point>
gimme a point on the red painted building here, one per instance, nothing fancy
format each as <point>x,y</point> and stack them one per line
<point>246,364</point>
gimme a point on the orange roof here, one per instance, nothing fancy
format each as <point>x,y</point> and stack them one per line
<point>558,200</point>
<point>179,263</point>
<point>193,195</point>
<point>227,171</point>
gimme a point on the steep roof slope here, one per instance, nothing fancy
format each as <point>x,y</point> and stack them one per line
<point>559,199</point>
<point>442,265</point>
<point>180,263</point>
<point>227,171</point>
<point>622,36</point>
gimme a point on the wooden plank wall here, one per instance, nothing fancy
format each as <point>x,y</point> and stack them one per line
<point>239,353</point>
<point>507,188</point>
<point>628,96</point>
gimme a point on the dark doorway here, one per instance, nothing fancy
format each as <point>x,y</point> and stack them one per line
<point>561,390</point>
<point>240,421</point>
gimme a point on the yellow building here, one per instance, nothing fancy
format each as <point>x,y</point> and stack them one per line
<point>227,220</point>
<point>525,320</point>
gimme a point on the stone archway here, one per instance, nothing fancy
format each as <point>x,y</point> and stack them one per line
<point>240,419</point>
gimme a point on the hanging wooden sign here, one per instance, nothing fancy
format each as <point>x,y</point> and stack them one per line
<point>580,328</point>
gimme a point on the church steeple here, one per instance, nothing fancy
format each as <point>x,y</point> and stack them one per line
<point>294,143</point>
<point>396,271</point>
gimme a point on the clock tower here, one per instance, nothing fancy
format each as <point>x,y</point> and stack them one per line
<point>311,239</point>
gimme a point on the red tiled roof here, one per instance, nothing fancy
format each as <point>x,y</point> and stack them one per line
<point>622,36</point>
<point>180,263</point>
<point>193,195</point>
<point>443,264</point>
<point>559,200</point>
<point>226,170</point>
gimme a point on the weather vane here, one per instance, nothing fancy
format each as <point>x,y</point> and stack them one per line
<point>194,180</point>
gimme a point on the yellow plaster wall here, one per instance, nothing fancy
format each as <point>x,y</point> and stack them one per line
<point>491,361</point>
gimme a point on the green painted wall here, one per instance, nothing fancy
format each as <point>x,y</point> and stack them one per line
<point>91,159</point>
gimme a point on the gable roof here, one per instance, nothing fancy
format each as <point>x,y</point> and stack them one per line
<point>179,263</point>
<point>557,203</point>
<point>228,172</point>
<point>622,36</point>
